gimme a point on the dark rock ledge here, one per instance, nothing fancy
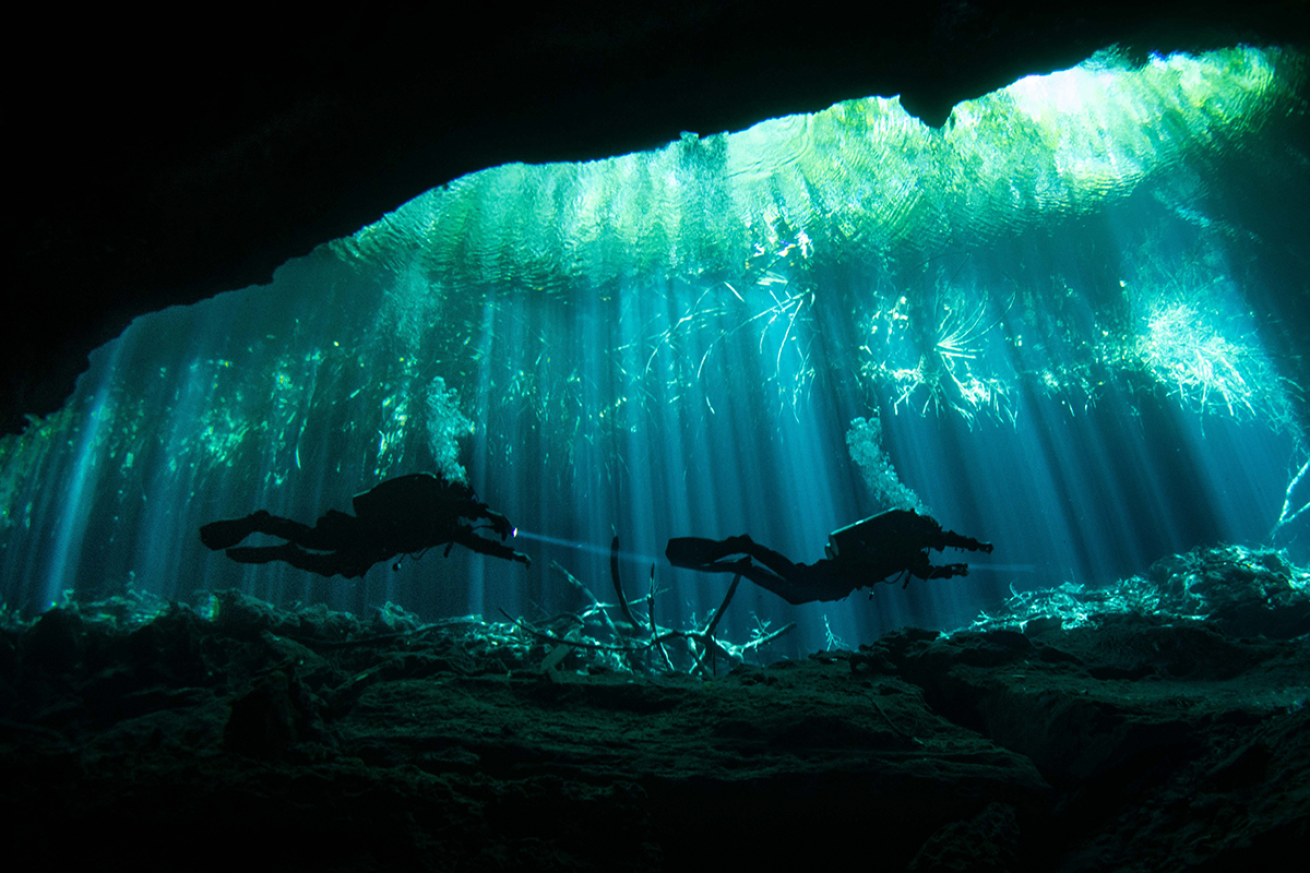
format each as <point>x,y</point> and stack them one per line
<point>240,735</point>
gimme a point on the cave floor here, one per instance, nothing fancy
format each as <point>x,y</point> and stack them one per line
<point>1134,744</point>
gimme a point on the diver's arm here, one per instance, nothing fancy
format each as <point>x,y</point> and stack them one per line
<point>499,523</point>
<point>950,539</point>
<point>922,568</point>
<point>475,510</point>
<point>470,540</point>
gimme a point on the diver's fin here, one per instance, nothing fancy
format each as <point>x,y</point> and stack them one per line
<point>225,534</point>
<point>264,554</point>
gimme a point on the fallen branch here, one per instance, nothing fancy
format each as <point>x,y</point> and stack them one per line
<point>765,639</point>
<point>1288,515</point>
<point>596,604</point>
<point>650,614</point>
<point>658,640</point>
<point>714,622</point>
<point>618,586</point>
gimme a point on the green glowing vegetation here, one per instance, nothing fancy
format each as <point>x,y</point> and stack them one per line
<point>1233,586</point>
<point>716,238</point>
<point>119,613</point>
<point>861,171</point>
<point>1191,335</point>
<point>740,235</point>
<point>1184,351</point>
<point>772,306</point>
<point>932,351</point>
<point>565,308</point>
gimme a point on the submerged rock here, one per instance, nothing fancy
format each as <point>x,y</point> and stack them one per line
<point>1127,740</point>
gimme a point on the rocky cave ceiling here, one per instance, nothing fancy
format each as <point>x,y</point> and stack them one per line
<point>157,171</point>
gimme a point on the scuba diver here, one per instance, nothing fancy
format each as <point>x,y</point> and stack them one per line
<point>892,543</point>
<point>404,515</point>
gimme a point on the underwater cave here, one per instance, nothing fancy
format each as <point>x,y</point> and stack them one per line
<point>1068,322</point>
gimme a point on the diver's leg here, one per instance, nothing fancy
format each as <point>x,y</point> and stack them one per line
<point>332,531</point>
<point>286,552</point>
<point>775,561</point>
<point>797,588</point>
<point>222,534</point>
<point>694,553</point>
<point>324,564</point>
<point>707,556</point>
<point>355,561</point>
<point>699,553</point>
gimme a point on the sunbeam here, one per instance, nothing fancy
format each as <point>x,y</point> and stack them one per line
<point>1054,324</point>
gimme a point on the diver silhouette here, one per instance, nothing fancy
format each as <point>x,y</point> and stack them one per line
<point>404,515</point>
<point>892,543</point>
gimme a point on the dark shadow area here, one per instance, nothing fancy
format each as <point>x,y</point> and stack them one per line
<point>155,170</point>
<point>1070,730</point>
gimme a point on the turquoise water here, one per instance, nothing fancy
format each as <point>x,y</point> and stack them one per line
<point>1065,323</point>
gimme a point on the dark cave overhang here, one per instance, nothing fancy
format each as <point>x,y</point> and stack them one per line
<point>173,171</point>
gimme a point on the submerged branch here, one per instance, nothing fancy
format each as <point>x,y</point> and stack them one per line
<point>636,648</point>
<point>765,639</point>
<point>618,586</point>
<point>709,646</point>
<point>650,614</point>
<point>708,633</point>
<point>1288,515</point>
<point>596,606</point>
